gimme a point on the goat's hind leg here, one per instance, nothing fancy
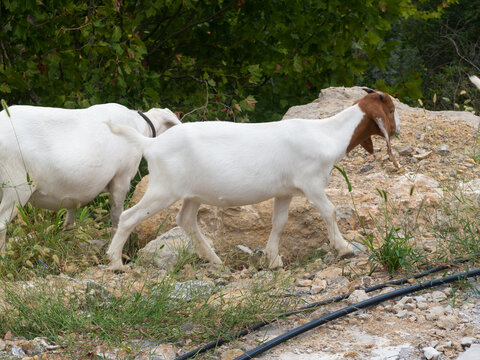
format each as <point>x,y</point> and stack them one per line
<point>152,202</point>
<point>317,196</point>
<point>187,219</point>
<point>118,189</point>
<point>279,219</point>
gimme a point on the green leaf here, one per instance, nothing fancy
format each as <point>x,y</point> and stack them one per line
<point>5,107</point>
<point>116,34</point>
<point>344,174</point>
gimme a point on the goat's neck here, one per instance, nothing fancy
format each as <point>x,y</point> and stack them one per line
<point>341,128</point>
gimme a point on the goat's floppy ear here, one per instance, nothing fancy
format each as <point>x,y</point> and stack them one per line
<point>379,116</point>
<point>169,123</point>
<point>380,121</point>
<point>367,144</point>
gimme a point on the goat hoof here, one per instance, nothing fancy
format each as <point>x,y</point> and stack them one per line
<point>276,263</point>
<point>117,267</point>
<point>346,253</point>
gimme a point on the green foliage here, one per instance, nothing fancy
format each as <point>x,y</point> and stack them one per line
<point>395,247</point>
<point>456,224</point>
<point>39,245</point>
<point>434,56</point>
<point>395,251</point>
<point>232,60</point>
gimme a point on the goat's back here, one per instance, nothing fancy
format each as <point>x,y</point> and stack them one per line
<point>225,164</point>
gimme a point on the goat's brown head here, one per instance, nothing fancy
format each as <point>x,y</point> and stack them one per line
<point>380,118</point>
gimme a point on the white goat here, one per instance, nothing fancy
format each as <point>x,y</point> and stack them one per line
<point>475,80</point>
<point>228,164</point>
<point>64,158</point>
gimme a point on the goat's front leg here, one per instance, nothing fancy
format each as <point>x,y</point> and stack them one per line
<point>11,198</point>
<point>279,219</point>
<point>187,219</point>
<point>317,196</point>
<point>70,218</point>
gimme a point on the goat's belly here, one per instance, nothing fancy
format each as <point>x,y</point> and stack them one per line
<point>240,199</point>
<point>44,201</point>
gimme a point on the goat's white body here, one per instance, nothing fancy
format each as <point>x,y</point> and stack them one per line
<point>227,164</point>
<point>69,156</point>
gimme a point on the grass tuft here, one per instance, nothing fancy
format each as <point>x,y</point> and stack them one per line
<point>67,313</point>
<point>39,245</point>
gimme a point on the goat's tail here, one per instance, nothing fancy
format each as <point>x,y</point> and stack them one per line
<point>475,80</point>
<point>130,134</point>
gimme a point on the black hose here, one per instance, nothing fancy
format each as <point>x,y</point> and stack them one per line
<point>214,343</point>
<point>352,308</point>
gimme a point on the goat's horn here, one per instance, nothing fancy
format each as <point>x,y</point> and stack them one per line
<point>368,90</point>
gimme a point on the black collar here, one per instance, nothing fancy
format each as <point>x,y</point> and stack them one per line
<point>149,122</point>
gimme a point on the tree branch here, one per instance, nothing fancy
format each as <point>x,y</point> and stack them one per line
<point>189,26</point>
<point>460,55</point>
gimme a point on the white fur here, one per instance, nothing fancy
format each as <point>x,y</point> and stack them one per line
<point>69,156</point>
<point>227,164</point>
<point>475,80</point>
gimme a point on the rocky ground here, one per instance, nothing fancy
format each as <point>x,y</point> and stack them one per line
<point>435,150</point>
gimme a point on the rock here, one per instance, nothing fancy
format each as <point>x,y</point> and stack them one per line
<point>404,149</point>
<point>106,354</point>
<point>367,168</point>
<point>402,313</point>
<point>190,289</point>
<point>448,322</point>
<point>304,282</point>
<point>330,101</point>
<point>164,252</point>
<point>471,187</point>
<point>33,347</point>
<point>329,273</point>
<point>422,155</point>
<point>442,347</point>
<point>357,296</point>
<point>422,305</point>
<point>473,353</point>
<point>162,352</point>
<point>435,312</point>
<point>431,353</point>
<point>443,150</point>
<point>438,296</point>
<point>405,300</point>
<point>318,286</point>
<point>231,354</point>
<point>17,351</point>
<point>410,307</point>
<point>467,341</point>
<point>2,345</point>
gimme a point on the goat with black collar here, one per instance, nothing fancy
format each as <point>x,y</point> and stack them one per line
<point>64,158</point>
